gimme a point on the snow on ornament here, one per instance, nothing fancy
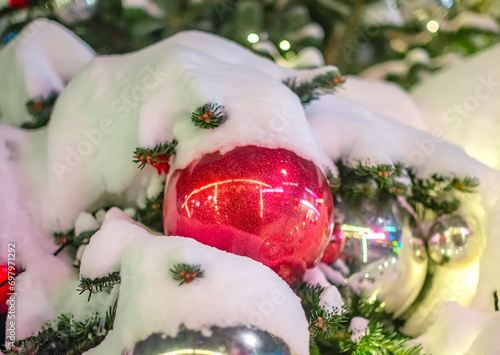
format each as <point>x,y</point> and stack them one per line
<point>249,309</point>
<point>268,204</point>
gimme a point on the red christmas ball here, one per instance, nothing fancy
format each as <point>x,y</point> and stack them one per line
<point>335,246</point>
<point>20,4</point>
<point>5,289</point>
<point>268,204</point>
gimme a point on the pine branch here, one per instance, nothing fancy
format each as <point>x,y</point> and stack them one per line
<point>40,109</point>
<point>69,238</point>
<point>208,116</point>
<point>322,84</point>
<point>381,183</point>
<point>185,273</point>
<point>100,284</point>
<point>379,341</point>
<point>67,336</point>
<point>152,215</point>
<point>158,156</point>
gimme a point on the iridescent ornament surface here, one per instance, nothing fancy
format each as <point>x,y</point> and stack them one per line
<point>370,235</point>
<point>74,11</point>
<point>241,340</point>
<point>451,243</point>
<point>268,204</point>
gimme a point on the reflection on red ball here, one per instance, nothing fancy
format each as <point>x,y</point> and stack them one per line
<point>4,290</point>
<point>335,246</point>
<point>267,204</point>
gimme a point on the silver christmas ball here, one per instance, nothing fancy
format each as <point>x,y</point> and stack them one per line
<point>388,263</point>
<point>74,11</point>
<point>221,341</point>
<point>418,249</point>
<point>370,235</point>
<point>451,243</point>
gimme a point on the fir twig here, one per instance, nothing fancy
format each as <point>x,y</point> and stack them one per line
<point>152,214</point>
<point>67,336</point>
<point>100,284</point>
<point>157,156</point>
<point>208,116</point>
<point>185,273</point>
<point>40,109</point>
<point>495,301</point>
<point>312,90</point>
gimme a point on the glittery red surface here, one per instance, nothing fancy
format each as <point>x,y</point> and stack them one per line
<point>267,204</point>
<point>4,290</point>
<point>335,246</point>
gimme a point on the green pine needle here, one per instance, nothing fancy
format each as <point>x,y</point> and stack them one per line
<point>185,273</point>
<point>100,284</point>
<point>40,109</point>
<point>152,214</point>
<point>145,156</point>
<point>208,116</point>
<point>322,84</point>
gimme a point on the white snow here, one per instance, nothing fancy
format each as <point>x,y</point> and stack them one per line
<point>331,300</point>
<point>336,277</point>
<point>33,65</point>
<point>315,276</point>
<point>117,103</point>
<point>471,20</point>
<point>240,290</point>
<point>85,222</point>
<point>146,98</point>
<point>457,328</point>
<point>147,5</point>
<point>359,328</point>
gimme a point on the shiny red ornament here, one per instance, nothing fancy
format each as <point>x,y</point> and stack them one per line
<point>20,4</point>
<point>5,289</point>
<point>335,246</point>
<point>268,204</point>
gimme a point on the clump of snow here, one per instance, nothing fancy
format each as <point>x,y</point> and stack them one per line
<point>457,328</point>
<point>471,20</point>
<point>146,98</point>
<point>315,276</point>
<point>147,5</point>
<point>337,277</point>
<point>103,254</point>
<point>241,291</point>
<point>359,328</point>
<point>86,222</point>
<point>33,65</point>
<point>383,98</point>
<point>417,56</point>
<point>331,300</point>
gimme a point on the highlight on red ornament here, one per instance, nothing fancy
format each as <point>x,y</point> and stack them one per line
<point>268,204</point>
<point>335,245</point>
